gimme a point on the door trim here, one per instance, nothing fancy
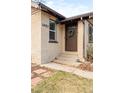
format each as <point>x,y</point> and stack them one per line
<point>66,25</point>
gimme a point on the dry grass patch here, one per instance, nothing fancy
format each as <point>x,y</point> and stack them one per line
<point>63,82</point>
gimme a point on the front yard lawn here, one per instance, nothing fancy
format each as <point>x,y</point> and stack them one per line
<point>63,82</point>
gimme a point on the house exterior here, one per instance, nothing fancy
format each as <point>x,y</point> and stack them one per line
<point>54,34</point>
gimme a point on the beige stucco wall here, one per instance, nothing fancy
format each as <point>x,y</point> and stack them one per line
<point>42,51</point>
<point>80,40</point>
<point>63,39</point>
<point>36,37</point>
<point>50,50</point>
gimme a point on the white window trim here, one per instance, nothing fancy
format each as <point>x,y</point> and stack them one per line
<point>50,20</point>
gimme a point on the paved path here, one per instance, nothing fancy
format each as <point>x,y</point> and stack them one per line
<point>73,70</point>
<point>39,74</point>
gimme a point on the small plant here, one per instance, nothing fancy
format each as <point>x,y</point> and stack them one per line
<point>90,53</point>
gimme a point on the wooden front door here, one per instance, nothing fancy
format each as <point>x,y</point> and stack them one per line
<point>71,37</point>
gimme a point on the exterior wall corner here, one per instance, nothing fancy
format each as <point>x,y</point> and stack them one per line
<point>80,40</point>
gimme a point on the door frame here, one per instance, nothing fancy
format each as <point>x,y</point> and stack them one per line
<point>66,25</point>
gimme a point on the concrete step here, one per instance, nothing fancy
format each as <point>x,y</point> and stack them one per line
<point>66,58</point>
<point>69,63</point>
<point>70,53</point>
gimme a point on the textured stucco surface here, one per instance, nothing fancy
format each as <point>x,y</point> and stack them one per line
<point>80,40</point>
<point>42,51</point>
<point>50,50</point>
<point>36,37</point>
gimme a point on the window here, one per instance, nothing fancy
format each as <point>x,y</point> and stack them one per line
<point>52,31</point>
<point>90,34</point>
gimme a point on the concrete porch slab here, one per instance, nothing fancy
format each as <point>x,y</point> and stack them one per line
<point>68,63</point>
<point>72,70</point>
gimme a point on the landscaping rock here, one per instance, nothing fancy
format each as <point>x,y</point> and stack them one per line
<point>86,66</point>
<point>82,66</point>
<point>91,67</point>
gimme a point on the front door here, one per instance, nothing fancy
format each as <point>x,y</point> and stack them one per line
<point>71,37</point>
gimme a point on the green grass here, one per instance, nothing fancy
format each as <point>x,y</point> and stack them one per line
<point>63,82</point>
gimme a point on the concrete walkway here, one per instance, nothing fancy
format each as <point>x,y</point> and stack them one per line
<point>72,70</point>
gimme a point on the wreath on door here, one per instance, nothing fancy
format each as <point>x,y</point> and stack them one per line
<point>70,33</point>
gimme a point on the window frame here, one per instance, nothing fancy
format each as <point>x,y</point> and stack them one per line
<point>55,31</point>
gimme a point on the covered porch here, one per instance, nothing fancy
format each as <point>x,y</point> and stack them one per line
<point>77,36</point>
<point>77,41</point>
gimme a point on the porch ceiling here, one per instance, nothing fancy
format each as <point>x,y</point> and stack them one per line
<point>84,16</point>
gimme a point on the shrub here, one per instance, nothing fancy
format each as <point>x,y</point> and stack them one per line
<point>90,53</point>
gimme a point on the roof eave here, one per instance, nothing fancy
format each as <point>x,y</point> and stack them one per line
<point>83,16</point>
<point>51,11</point>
